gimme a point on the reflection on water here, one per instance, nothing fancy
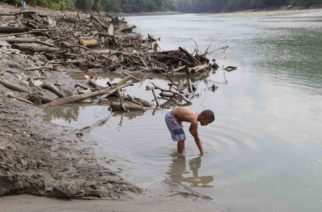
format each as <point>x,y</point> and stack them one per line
<point>198,86</point>
<point>178,172</point>
<point>69,114</point>
<point>129,115</point>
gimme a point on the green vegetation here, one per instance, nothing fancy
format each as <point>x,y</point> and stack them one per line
<point>160,5</point>
<point>101,5</point>
<point>134,5</point>
<point>54,4</point>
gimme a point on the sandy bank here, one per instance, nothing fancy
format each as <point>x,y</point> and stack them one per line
<point>155,204</point>
<point>43,159</point>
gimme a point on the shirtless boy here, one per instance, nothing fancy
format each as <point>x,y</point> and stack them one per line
<point>174,121</point>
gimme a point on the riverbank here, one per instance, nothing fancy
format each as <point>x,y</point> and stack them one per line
<point>155,204</point>
<point>281,12</point>
<point>43,159</point>
<point>151,13</point>
<point>23,201</point>
<point>40,158</point>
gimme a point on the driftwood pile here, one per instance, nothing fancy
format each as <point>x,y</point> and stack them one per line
<point>105,42</point>
<point>102,42</point>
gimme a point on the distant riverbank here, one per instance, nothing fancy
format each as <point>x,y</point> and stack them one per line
<point>151,13</point>
<point>282,12</point>
<point>250,13</point>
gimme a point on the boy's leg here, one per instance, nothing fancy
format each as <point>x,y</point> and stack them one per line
<point>180,146</point>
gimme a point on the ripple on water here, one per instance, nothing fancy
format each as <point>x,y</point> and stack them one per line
<point>233,139</point>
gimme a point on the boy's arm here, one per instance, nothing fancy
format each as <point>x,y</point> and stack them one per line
<point>194,132</point>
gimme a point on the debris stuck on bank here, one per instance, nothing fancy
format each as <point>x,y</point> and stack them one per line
<point>34,45</point>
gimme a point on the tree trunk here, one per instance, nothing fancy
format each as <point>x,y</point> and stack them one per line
<point>5,29</point>
<point>36,48</point>
<point>13,87</point>
<point>117,106</point>
<point>71,99</point>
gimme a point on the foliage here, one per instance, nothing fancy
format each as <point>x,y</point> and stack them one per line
<point>99,5</point>
<point>11,1</point>
<point>135,5</point>
<point>84,5</point>
<point>159,5</point>
<point>54,4</point>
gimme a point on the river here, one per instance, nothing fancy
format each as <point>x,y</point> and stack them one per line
<point>264,151</point>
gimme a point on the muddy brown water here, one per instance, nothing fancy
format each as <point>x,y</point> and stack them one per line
<point>264,152</point>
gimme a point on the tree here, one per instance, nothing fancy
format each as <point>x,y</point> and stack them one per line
<point>84,5</point>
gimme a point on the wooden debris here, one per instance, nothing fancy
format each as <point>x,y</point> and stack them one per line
<point>87,129</point>
<point>12,86</point>
<point>230,68</point>
<point>72,99</point>
<point>126,106</point>
<point>66,41</point>
<point>10,95</point>
<point>88,43</point>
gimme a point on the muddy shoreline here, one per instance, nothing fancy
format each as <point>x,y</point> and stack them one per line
<point>54,164</point>
<point>43,159</point>
<point>40,158</point>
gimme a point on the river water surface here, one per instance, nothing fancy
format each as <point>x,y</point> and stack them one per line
<point>264,151</point>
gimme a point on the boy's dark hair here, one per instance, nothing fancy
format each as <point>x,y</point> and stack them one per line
<point>208,114</point>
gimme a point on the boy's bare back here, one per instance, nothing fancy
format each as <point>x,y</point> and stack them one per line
<point>185,114</point>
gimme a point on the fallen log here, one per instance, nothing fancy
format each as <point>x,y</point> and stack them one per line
<point>129,36</point>
<point>204,67</point>
<point>195,61</point>
<point>36,48</point>
<point>10,95</point>
<point>13,87</point>
<point>88,43</point>
<point>52,88</point>
<point>18,40</point>
<point>9,30</point>
<point>129,106</point>
<point>129,75</point>
<point>45,85</point>
<point>138,101</point>
<point>87,129</point>
<point>98,21</point>
<point>121,100</point>
<point>162,57</point>
<point>152,88</point>
<point>168,103</point>
<point>18,13</point>
<point>179,68</point>
<point>71,99</point>
<point>230,68</point>
<point>34,31</point>
<point>126,28</point>
<point>37,68</point>
<point>27,40</point>
<point>37,98</point>
<point>176,94</point>
<point>110,30</point>
<point>192,88</point>
<point>166,94</point>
